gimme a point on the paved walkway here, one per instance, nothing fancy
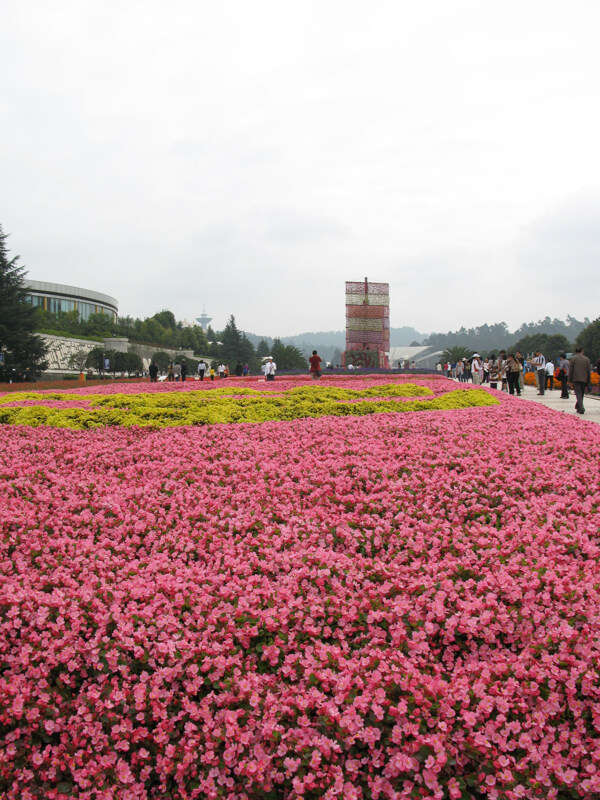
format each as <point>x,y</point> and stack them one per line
<point>552,399</point>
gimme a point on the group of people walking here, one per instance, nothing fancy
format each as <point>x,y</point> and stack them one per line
<point>178,370</point>
<point>506,371</point>
<point>575,371</point>
<point>222,370</point>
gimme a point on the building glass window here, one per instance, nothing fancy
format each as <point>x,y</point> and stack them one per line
<point>85,309</point>
<point>57,305</point>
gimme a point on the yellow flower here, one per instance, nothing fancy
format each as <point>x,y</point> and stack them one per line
<point>231,405</point>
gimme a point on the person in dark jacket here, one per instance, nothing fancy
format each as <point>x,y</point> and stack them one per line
<point>153,372</point>
<point>513,369</point>
<point>563,376</point>
<point>580,375</point>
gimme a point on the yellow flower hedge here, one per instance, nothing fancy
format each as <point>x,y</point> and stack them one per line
<point>168,409</point>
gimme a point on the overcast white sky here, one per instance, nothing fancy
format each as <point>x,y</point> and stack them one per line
<point>250,157</point>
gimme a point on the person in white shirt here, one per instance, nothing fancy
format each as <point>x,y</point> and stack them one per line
<point>201,368</point>
<point>549,375</point>
<point>477,369</point>
<point>221,370</point>
<point>270,367</point>
<point>539,365</point>
<point>486,370</point>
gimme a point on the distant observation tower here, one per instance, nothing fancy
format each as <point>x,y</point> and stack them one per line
<point>204,320</point>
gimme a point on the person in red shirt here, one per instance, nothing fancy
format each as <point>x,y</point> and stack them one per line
<point>315,366</point>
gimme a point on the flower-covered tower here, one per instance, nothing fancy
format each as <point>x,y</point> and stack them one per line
<point>367,324</point>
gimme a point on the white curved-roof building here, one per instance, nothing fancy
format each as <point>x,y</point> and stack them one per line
<point>56,297</point>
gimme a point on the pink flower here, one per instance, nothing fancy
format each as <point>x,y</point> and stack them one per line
<point>350,603</point>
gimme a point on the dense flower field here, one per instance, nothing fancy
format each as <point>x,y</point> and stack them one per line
<point>393,605</point>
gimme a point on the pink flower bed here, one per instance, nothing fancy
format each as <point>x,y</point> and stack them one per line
<point>399,606</point>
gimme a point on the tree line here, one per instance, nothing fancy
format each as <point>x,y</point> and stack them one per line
<point>232,345</point>
<point>498,337</point>
<point>551,345</point>
<point>22,352</point>
<point>161,328</point>
<point>229,346</point>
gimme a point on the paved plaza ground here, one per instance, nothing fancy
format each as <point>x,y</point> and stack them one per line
<point>552,399</point>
